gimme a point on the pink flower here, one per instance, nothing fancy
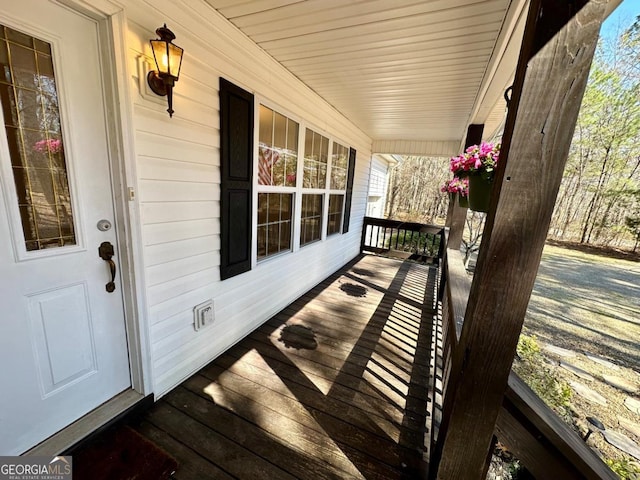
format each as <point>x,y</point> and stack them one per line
<point>456,185</point>
<point>481,158</point>
<point>291,178</point>
<point>52,145</point>
<point>485,148</point>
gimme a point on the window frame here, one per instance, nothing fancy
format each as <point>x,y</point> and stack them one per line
<point>323,218</point>
<point>298,190</point>
<point>258,188</point>
<point>331,191</point>
<point>69,140</point>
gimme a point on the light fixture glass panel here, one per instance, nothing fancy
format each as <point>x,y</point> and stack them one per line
<point>168,57</point>
<point>175,60</point>
<point>160,56</point>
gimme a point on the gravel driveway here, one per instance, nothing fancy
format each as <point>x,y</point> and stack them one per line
<point>589,307</point>
<point>587,303</point>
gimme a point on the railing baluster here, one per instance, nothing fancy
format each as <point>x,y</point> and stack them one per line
<point>420,239</point>
<point>371,236</point>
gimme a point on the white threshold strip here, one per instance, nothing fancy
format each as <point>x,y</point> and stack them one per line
<point>89,423</point>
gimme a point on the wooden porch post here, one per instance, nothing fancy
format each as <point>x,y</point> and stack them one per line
<point>456,215</point>
<point>559,42</point>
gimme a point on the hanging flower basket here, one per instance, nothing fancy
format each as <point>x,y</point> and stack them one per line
<point>477,165</point>
<point>479,193</point>
<point>457,187</point>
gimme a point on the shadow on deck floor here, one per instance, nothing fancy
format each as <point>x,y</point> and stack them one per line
<point>337,385</point>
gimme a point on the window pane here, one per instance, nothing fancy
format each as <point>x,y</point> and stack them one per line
<point>292,135</point>
<point>278,149</point>
<point>32,123</point>
<point>5,70</point>
<point>263,204</point>
<point>18,38</point>
<point>311,218</point>
<point>274,223</point>
<point>267,157</point>
<point>285,236</point>
<point>280,132</point>
<point>335,214</point>
<point>266,126</point>
<point>7,96</point>
<point>23,66</point>
<point>315,160</point>
<point>262,241</point>
<point>339,160</point>
<point>291,158</point>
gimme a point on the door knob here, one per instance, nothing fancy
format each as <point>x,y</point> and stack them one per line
<point>106,253</point>
<point>104,225</point>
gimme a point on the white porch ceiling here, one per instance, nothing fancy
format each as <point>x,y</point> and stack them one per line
<point>405,71</point>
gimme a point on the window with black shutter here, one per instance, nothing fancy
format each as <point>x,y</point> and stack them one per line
<point>347,200</point>
<point>236,170</point>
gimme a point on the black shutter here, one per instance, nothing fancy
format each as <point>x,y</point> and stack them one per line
<point>347,200</point>
<point>236,178</point>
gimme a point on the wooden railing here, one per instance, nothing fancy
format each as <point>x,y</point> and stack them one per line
<point>457,284</point>
<point>542,442</point>
<point>415,241</point>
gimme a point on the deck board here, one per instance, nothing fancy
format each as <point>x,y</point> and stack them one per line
<point>339,384</point>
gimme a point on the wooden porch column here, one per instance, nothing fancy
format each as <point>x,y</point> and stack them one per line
<point>456,215</point>
<point>559,42</point>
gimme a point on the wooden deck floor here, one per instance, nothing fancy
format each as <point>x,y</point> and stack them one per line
<point>337,385</point>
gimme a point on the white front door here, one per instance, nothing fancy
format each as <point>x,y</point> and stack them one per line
<point>63,347</point>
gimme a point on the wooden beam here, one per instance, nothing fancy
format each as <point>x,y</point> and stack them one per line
<point>474,135</point>
<point>456,215</point>
<point>544,444</point>
<point>548,89</point>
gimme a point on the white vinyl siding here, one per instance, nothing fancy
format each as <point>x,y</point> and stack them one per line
<point>178,189</point>
<point>377,195</point>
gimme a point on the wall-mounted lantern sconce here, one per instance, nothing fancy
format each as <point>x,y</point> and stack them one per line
<point>168,59</point>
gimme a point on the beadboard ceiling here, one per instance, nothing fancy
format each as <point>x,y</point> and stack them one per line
<point>402,70</point>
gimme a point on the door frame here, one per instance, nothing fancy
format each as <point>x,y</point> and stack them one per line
<point>112,31</point>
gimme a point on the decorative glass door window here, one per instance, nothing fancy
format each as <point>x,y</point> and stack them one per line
<point>32,122</point>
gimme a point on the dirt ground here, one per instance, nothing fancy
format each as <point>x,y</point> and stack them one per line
<point>590,304</point>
